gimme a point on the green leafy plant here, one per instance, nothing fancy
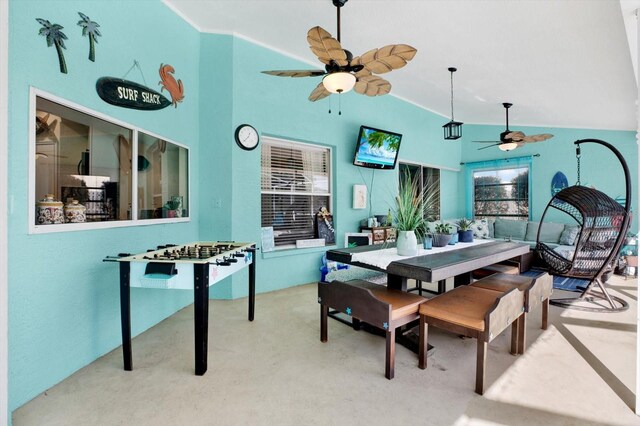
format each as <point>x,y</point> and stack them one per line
<point>172,205</point>
<point>423,230</point>
<point>464,224</point>
<point>443,228</point>
<point>408,209</point>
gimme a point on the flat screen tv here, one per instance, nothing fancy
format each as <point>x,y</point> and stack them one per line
<point>377,148</point>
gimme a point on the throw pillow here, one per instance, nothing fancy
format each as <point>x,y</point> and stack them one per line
<point>480,228</point>
<point>550,232</point>
<point>509,228</point>
<point>569,235</point>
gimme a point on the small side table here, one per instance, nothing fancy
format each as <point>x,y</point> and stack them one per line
<point>380,234</point>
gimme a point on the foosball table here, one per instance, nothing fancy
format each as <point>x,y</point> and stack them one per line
<point>193,266</point>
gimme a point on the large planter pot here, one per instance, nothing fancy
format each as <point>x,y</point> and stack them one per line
<point>441,240</point>
<point>465,236</point>
<point>407,243</point>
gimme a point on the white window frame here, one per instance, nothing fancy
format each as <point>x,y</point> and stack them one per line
<point>66,227</point>
<point>287,143</point>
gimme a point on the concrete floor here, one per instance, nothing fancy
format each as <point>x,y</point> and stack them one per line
<point>275,371</point>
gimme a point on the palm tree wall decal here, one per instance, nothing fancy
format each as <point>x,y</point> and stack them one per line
<point>54,37</point>
<point>90,28</point>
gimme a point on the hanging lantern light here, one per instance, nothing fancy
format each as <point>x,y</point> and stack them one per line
<point>453,129</point>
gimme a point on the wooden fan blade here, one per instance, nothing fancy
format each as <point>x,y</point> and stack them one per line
<point>387,58</point>
<point>489,146</point>
<point>538,138</point>
<point>325,47</point>
<point>372,86</point>
<point>319,93</point>
<point>363,72</point>
<point>295,73</point>
<point>515,136</point>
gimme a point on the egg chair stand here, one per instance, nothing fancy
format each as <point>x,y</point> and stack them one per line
<point>603,226</point>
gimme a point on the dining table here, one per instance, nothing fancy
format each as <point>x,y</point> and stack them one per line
<point>430,265</point>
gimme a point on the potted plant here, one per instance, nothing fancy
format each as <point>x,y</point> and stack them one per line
<point>408,216</point>
<point>465,233</point>
<point>442,235</point>
<point>424,233</point>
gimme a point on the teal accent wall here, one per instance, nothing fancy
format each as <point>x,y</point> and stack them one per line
<point>599,166</point>
<point>63,300</point>
<point>278,107</point>
<point>64,307</point>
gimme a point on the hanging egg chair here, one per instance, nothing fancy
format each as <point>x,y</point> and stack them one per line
<point>603,224</point>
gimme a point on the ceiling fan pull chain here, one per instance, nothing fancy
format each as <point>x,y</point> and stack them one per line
<point>339,102</point>
<point>578,158</point>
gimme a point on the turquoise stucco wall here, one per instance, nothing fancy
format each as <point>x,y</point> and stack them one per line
<point>599,167</point>
<point>63,300</point>
<point>64,310</point>
<point>279,107</point>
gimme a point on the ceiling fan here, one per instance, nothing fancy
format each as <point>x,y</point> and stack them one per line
<point>46,128</point>
<point>510,140</point>
<point>342,71</point>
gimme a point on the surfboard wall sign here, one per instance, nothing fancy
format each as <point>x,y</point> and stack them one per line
<point>129,94</point>
<point>558,183</point>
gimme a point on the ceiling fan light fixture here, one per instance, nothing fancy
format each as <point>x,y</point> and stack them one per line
<point>453,129</point>
<point>339,82</point>
<point>508,146</point>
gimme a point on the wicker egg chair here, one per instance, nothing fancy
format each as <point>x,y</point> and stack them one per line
<point>603,226</point>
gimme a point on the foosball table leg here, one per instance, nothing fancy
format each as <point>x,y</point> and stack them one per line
<point>252,283</point>
<point>201,315</point>
<point>125,314</point>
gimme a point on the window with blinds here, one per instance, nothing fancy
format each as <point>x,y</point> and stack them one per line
<point>295,184</point>
<point>501,193</point>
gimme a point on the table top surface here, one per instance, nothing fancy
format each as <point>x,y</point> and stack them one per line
<point>437,265</point>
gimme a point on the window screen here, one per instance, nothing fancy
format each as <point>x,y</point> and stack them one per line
<point>501,193</point>
<point>429,179</point>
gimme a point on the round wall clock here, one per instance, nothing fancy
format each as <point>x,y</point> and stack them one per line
<point>247,137</point>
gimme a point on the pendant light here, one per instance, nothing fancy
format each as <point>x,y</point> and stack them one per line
<point>453,129</point>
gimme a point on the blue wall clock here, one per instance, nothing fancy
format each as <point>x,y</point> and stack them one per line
<point>558,183</point>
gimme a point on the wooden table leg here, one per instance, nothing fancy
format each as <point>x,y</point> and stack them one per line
<point>125,314</point>
<point>462,279</point>
<point>396,282</point>
<point>201,315</point>
<point>252,283</point>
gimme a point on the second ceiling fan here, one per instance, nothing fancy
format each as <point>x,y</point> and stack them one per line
<point>510,140</point>
<point>342,71</point>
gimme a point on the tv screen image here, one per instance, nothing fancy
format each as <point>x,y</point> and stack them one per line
<point>377,148</point>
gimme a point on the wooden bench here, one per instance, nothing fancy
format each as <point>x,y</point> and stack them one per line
<point>374,304</point>
<point>473,312</point>
<point>537,291</point>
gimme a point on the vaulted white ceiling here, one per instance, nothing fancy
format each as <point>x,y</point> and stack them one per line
<point>562,63</point>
